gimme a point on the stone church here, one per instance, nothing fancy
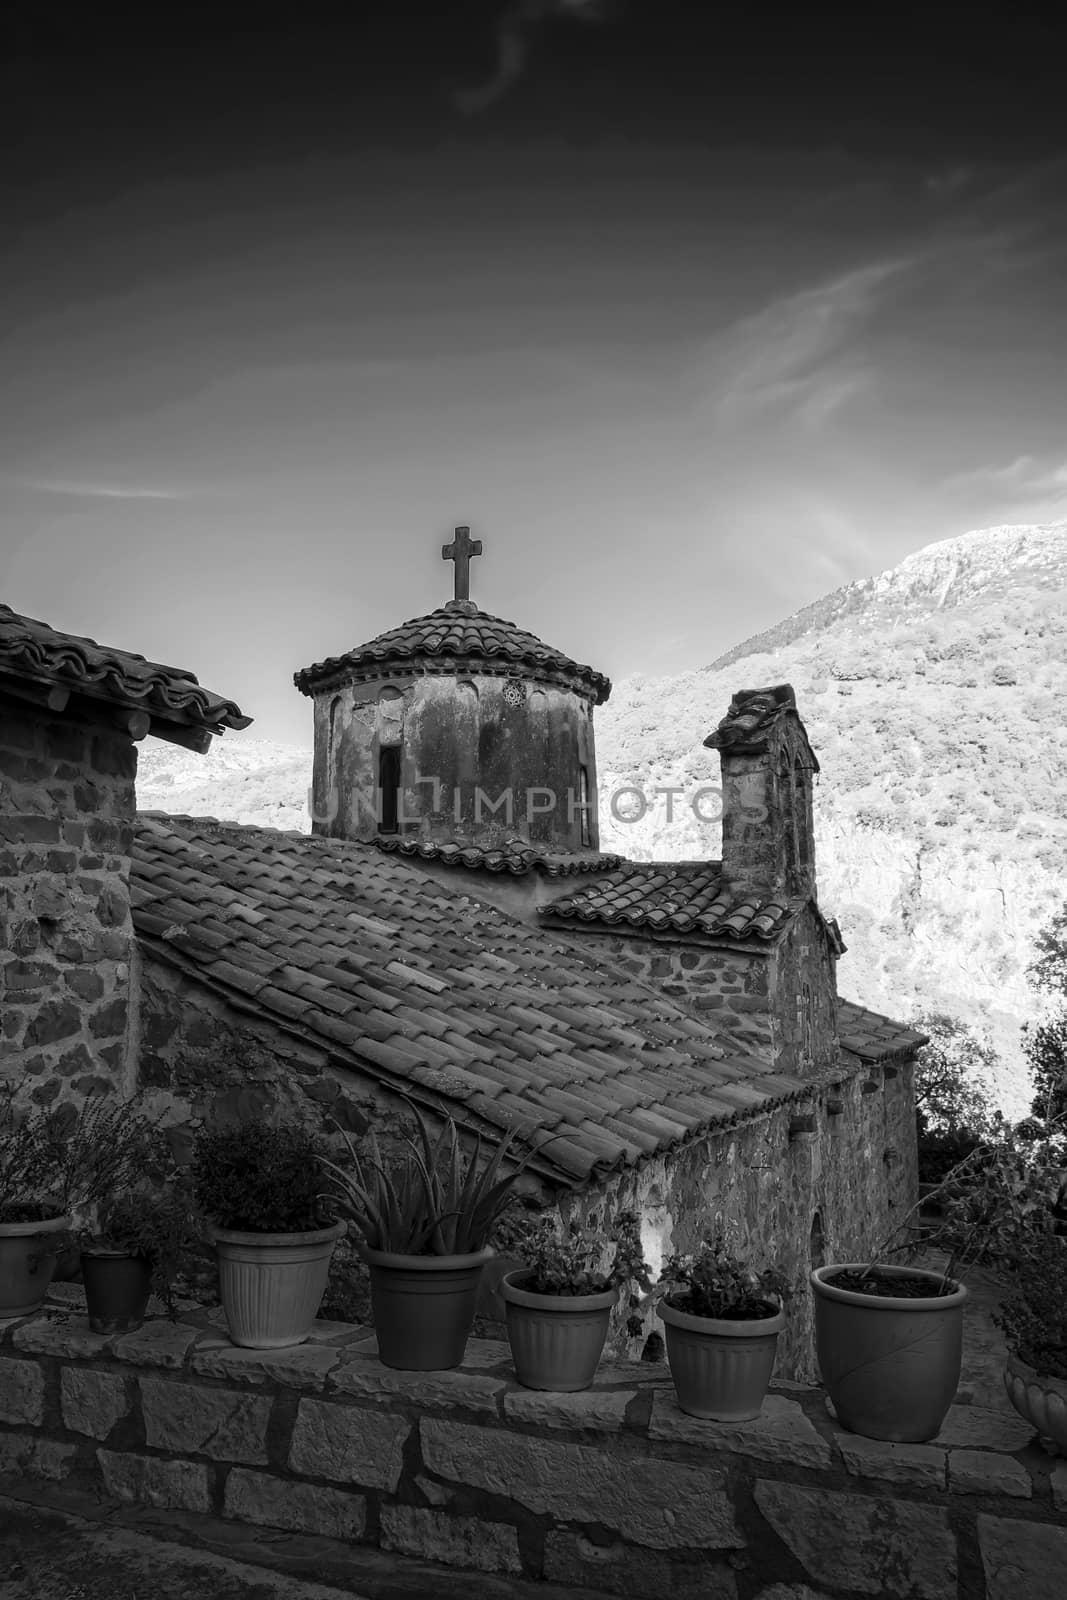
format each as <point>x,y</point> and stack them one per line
<point>667,1036</point>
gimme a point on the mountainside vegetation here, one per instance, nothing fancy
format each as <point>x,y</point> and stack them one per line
<point>934,696</point>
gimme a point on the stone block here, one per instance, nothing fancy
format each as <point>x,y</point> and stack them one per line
<point>782,1432</point>
<point>982,1428</point>
<point>1022,1558</point>
<point>300,1366</point>
<point>152,1481</point>
<point>914,1464</point>
<point>627,1569</point>
<point>1058,1485</point>
<point>92,1402</point>
<point>157,1344</point>
<point>587,1410</point>
<point>21,1392</point>
<point>657,1503</point>
<point>31,1456</point>
<point>299,1507</point>
<point>862,1545</point>
<point>228,1425</point>
<point>60,1334</point>
<point>988,1472</point>
<point>473,1391</point>
<point>348,1444</point>
<point>485,1355</point>
<point>453,1541</point>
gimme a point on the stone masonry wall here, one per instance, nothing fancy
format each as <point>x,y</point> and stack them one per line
<point>613,1489</point>
<point>791,1199</point>
<point>777,1003</point>
<point>66,812</point>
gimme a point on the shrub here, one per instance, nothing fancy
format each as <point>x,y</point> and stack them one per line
<point>256,1178</point>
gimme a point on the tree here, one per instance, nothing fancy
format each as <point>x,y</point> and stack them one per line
<point>1045,1043</point>
<point>955,1078</point>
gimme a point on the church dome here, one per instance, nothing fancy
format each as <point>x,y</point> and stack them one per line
<point>456,637</point>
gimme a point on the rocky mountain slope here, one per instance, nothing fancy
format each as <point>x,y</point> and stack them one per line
<point>934,695</point>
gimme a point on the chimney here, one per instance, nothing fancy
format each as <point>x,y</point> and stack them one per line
<point>767,767</point>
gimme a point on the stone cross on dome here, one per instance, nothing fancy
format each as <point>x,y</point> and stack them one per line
<point>462,548</point>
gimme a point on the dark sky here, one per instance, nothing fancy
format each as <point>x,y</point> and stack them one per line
<point>692,314</point>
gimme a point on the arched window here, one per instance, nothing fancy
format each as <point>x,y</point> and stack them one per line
<point>788,820</point>
<point>585,812</point>
<point>802,814</point>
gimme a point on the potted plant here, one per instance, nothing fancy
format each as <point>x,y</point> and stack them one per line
<point>260,1188</point>
<point>889,1338</point>
<point>425,1218</point>
<point>723,1317</point>
<point>54,1166</point>
<point>558,1304</point>
<point>1034,1322</point>
<point>132,1252</point>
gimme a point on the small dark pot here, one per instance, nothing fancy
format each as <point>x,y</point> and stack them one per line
<point>117,1288</point>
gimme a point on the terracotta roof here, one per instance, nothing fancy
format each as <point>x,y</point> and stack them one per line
<point>874,1038</point>
<point>33,652</point>
<point>515,856</point>
<point>437,994</point>
<point>455,633</point>
<point>679,896</point>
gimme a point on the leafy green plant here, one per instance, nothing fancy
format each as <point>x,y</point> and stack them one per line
<point>430,1199</point>
<point>154,1224</point>
<point>1034,1318</point>
<point>567,1260</point>
<point>69,1160</point>
<point>715,1281</point>
<point>258,1178</point>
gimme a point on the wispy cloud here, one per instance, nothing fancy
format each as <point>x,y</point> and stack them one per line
<point>801,351</point>
<point>78,490</point>
<point>1027,477</point>
<point>514,32</point>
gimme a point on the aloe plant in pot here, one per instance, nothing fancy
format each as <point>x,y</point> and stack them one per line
<point>425,1217</point>
<point>273,1230</point>
<point>559,1303</point>
<point>723,1317</point>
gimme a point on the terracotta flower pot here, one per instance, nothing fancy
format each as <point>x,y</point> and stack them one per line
<point>720,1368</point>
<point>27,1263</point>
<point>890,1366</point>
<point>556,1340</point>
<point>117,1289</point>
<point>1041,1401</point>
<point>423,1307</point>
<point>272,1284</point>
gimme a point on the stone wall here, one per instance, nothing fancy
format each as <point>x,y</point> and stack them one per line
<point>776,1002</point>
<point>792,1198</point>
<point>66,812</point>
<point>613,1489</point>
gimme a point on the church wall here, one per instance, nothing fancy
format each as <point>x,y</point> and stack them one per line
<point>726,989</point>
<point>463,747</point>
<point>66,813</point>
<point>805,997</point>
<point>792,1201</point>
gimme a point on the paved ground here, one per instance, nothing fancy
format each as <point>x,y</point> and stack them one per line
<point>57,1543</point>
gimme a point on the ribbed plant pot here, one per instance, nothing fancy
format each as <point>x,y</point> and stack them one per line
<point>27,1263</point>
<point>556,1340</point>
<point>891,1367</point>
<point>117,1289</point>
<point>720,1368</point>
<point>1039,1400</point>
<point>272,1284</point>
<point>423,1307</point>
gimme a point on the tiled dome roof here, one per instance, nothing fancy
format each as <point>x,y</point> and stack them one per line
<point>456,632</point>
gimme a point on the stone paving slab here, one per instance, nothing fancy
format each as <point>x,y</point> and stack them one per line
<point>781,1433</point>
